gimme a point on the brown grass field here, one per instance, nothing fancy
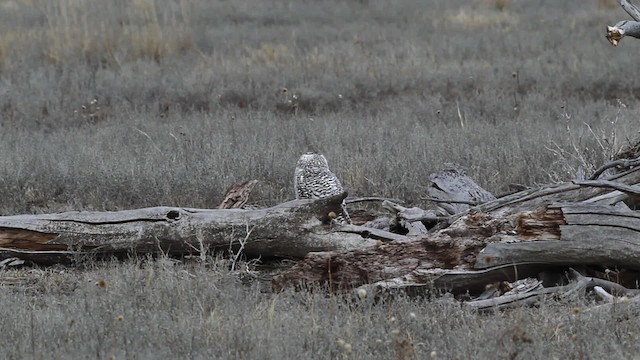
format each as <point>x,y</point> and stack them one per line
<point>196,95</point>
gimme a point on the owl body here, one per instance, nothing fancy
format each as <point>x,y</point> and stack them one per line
<point>314,180</point>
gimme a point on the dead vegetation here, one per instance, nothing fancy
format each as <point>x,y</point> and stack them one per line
<point>204,109</point>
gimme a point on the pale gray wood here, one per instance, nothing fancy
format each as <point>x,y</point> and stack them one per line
<point>579,285</point>
<point>631,9</point>
<point>413,213</point>
<point>558,235</point>
<point>626,27</point>
<point>367,233</point>
<point>630,190</point>
<point>612,165</point>
<point>291,229</point>
<point>509,301</point>
<point>429,281</point>
<point>593,234</point>
<point>454,190</point>
<point>563,192</point>
<point>414,220</point>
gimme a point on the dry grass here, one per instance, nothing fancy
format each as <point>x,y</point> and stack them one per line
<point>190,85</point>
<point>166,309</point>
<point>193,92</point>
<point>100,33</point>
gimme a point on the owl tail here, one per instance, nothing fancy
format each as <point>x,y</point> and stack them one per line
<point>343,217</point>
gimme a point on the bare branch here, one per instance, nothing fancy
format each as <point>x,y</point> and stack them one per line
<point>622,304</point>
<point>631,190</point>
<point>243,242</point>
<point>610,286</point>
<point>631,9</point>
<point>527,298</point>
<point>371,198</point>
<point>466,202</point>
<point>414,213</point>
<point>626,27</point>
<point>625,163</point>
<point>604,295</point>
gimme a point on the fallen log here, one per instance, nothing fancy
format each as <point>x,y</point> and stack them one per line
<point>571,234</point>
<point>532,295</point>
<point>289,230</point>
<point>421,282</point>
<point>557,193</point>
<point>557,235</point>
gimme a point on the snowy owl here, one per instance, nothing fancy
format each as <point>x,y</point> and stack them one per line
<point>313,180</point>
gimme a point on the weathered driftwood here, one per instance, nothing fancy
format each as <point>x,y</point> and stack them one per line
<point>525,234</point>
<point>422,282</point>
<point>626,27</point>
<point>290,230</point>
<point>454,191</point>
<point>570,234</point>
<point>502,294</point>
<point>530,295</point>
<point>451,189</point>
<point>620,163</point>
<point>563,192</point>
<point>413,214</point>
<point>528,242</point>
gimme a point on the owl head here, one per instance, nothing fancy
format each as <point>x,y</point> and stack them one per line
<point>313,160</point>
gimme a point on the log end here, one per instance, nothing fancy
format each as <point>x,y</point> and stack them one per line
<point>28,240</point>
<point>614,35</point>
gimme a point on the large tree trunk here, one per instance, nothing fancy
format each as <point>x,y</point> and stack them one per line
<point>509,238</point>
<point>521,235</point>
<point>291,230</point>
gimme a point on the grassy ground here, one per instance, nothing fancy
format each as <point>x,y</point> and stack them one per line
<point>158,309</point>
<point>192,99</point>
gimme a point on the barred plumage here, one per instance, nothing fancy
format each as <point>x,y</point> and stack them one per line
<point>314,180</point>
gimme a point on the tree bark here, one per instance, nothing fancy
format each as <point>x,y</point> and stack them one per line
<point>631,9</point>
<point>562,192</point>
<point>290,230</point>
<point>508,248</point>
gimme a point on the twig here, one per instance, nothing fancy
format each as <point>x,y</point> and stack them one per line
<point>617,32</point>
<point>604,295</point>
<point>203,249</point>
<point>371,198</point>
<point>521,298</point>
<point>631,9</point>
<point>467,202</point>
<point>460,115</point>
<point>148,137</point>
<point>610,286</point>
<point>371,233</point>
<point>242,242</point>
<point>625,163</point>
<point>414,213</point>
<point>631,190</point>
<point>582,283</point>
